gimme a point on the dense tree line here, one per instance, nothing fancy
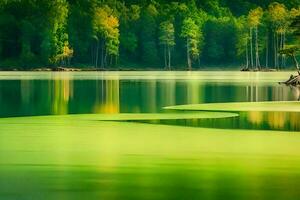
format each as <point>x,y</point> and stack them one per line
<point>147,33</point>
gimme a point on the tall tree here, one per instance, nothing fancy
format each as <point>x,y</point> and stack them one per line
<point>55,34</point>
<point>28,31</point>
<point>82,41</point>
<point>129,30</point>
<point>191,32</point>
<point>278,17</point>
<point>242,44</point>
<point>106,32</point>
<point>254,19</point>
<point>148,35</point>
<point>167,39</point>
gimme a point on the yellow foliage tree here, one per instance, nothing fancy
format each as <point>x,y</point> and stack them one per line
<point>254,20</point>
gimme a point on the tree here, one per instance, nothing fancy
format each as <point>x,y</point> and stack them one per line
<point>278,17</point>
<point>64,58</point>
<point>132,32</point>
<point>106,31</point>
<point>242,44</point>
<point>167,39</point>
<point>28,31</point>
<point>129,30</point>
<point>191,32</point>
<point>291,51</point>
<point>148,35</point>
<point>254,20</point>
<point>54,32</point>
<point>221,38</point>
<point>295,21</point>
<point>82,41</point>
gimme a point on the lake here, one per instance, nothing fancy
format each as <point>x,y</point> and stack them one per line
<point>77,135</point>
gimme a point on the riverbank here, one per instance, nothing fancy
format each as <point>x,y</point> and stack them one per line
<point>135,68</point>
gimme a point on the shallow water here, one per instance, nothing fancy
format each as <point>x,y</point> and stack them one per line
<point>55,158</point>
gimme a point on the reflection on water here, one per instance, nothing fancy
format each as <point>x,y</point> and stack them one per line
<point>216,175</point>
<point>63,94</point>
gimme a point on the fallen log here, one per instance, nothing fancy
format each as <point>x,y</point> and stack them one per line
<point>292,81</point>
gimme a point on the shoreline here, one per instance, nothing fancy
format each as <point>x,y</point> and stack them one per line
<point>74,69</point>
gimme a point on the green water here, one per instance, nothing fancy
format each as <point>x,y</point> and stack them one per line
<point>173,155</point>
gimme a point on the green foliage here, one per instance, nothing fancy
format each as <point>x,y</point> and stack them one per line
<point>278,16</point>
<point>36,32</point>
<point>80,11</point>
<point>243,36</point>
<point>192,33</point>
<point>27,30</point>
<point>221,37</point>
<point>148,35</point>
<point>254,17</point>
<point>167,36</point>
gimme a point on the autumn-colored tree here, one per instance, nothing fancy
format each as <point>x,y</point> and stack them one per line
<point>106,32</point>
<point>278,16</point>
<point>254,20</point>
<point>35,33</point>
<point>64,58</point>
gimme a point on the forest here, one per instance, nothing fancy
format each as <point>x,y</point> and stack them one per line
<point>148,34</point>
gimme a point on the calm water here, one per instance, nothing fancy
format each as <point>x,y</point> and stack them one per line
<point>28,94</point>
<point>137,175</point>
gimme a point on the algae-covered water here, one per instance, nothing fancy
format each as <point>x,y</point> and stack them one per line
<point>117,135</point>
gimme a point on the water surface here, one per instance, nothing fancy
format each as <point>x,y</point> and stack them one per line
<point>59,158</point>
<point>56,93</point>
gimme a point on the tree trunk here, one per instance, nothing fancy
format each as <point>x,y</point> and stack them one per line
<point>169,52</point>
<point>105,58</point>
<point>165,52</point>
<point>92,53</point>
<point>102,54</point>
<point>188,55</point>
<point>97,54</point>
<point>275,50</point>
<point>267,50</point>
<point>283,47</point>
<point>247,56</point>
<point>251,48</point>
<point>257,62</point>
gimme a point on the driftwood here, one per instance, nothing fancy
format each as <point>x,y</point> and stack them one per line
<point>292,81</point>
<point>291,52</point>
